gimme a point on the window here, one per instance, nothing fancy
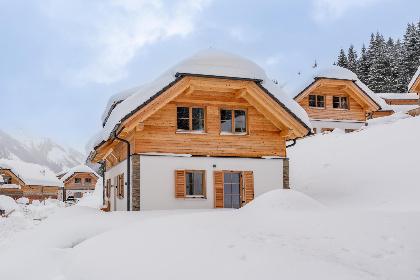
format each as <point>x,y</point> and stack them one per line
<point>78,180</point>
<point>232,189</point>
<point>340,102</point>
<point>190,118</point>
<point>316,101</point>
<point>88,181</point>
<point>7,180</point>
<point>78,195</point>
<point>190,184</point>
<point>194,183</point>
<point>233,120</point>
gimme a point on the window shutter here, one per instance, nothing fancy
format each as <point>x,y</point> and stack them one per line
<point>122,185</point>
<point>218,189</point>
<point>116,186</point>
<point>249,186</point>
<point>179,183</point>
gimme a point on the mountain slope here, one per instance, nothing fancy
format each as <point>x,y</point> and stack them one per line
<point>39,150</point>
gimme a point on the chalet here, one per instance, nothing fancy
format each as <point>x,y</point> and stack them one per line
<point>334,97</point>
<point>401,102</point>
<point>414,87</point>
<point>210,132</point>
<point>77,181</point>
<point>33,181</point>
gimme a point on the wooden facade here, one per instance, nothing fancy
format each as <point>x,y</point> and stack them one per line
<point>154,128</point>
<point>382,113</point>
<point>358,104</point>
<point>415,88</point>
<point>71,184</point>
<point>402,101</point>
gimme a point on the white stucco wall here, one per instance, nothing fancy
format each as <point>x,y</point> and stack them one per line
<point>157,178</point>
<point>320,124</point>
<point>117,203</point>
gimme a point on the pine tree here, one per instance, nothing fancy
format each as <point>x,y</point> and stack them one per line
<point>342,59</point>
<point>363,65</point>
<point>410,53</point>
<point>352,59</point>
<point>390,76</point>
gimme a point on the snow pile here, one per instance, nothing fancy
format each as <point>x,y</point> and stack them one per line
<point>403,108</point>
<point>284,200</point>
<point>78,169</point>
<point>31,174</point>
<point>375,168</point>
<point>7,203</point>
<point>95,199</point>
<point>23,200</point>
<point>207,62</point>
<point>9,186</point>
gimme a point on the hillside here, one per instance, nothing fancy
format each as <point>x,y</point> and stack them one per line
<point>40,150</point>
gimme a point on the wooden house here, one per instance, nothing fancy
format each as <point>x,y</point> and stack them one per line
<point>401,102</point>
<point>209,133</point>
<point>414,87</point>
<point>77,181</point>
<point>33,181</point>
<point>334,97</point>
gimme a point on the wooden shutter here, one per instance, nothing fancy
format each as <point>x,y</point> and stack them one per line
<point>218,190</point>
<point>179,183</point>
<point>248,186</point>
<point>109,188</point>
<point>122,185</point>
<point>115,186</point>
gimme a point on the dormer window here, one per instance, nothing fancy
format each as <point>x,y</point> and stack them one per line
<point>88,181</point>
<point>78,180</point>
<point>316,101</point>
<point>190,118</point>
<point>340,102</point>
<point>232,120</point>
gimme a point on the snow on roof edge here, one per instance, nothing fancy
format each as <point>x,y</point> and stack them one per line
<point>413,80</point>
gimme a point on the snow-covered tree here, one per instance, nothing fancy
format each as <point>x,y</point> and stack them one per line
<point>342,59</point>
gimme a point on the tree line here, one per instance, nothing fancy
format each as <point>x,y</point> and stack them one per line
<point>385,66</point>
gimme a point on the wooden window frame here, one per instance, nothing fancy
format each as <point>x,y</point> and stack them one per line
<point>204,184</point>
<point>232,132</point>
<point>316,101</point>
<point>79,179</point>
<point>90,182</point>
<point>190,118</point>
<point>339,103</point>
<point>8,178</point>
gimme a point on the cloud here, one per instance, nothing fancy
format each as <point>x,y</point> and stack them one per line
<point>113,31</point>
<point>333,9</point>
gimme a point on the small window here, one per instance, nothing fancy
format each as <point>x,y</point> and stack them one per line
<point>340,102</point>
<point>190,118</point>
<point>78,195</point>
<point>88,181</point>
<point>78,180</point>
<point>7,180</point>
<point>194,183</point>
<point>233,120</point>
<point>316,101</point>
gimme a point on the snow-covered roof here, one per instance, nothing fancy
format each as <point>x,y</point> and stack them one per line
<point>212,62</point>
<point>298,84</point>
<point>403,96</point>
<point>403,108</point>
<point>413,80</point>
<point>115,99</point>
<point>78,169</point>
<point>31,174</point>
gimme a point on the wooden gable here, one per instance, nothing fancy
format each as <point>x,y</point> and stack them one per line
<point>153,128</point>
<point>71,184</point>
<point>415,88</point>
<point>359,103</point>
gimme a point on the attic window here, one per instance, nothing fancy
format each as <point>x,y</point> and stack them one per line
<point>233,120</point>
<point>7,180</point>
<point>190,118</point>
<point>340,102</point>
<point>78,180</point>
<point>88,181</point>
<point>316,101</point>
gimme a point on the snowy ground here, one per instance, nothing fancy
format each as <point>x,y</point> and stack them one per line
<point>358,219</point>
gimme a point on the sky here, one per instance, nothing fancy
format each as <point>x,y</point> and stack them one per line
<point>61,60</point>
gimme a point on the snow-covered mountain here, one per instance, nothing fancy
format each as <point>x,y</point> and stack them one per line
<point>26,147</point>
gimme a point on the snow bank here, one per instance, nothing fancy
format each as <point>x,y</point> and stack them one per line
<point>7,203</point>
<point>284,200</point>
<point>31,174</point>
<point>393,96</point>
<point>375,168</point>
<point>95,199</point>
<point>78,169</point>
<point>207,62</point>
<point>22,200</point>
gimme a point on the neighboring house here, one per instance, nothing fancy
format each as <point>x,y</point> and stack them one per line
<point>334,97</point>
<point>209,133</point>
<point>77,181</point>
<point>401,102</point>
<point>414,87</point>
<point>21,179</point>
